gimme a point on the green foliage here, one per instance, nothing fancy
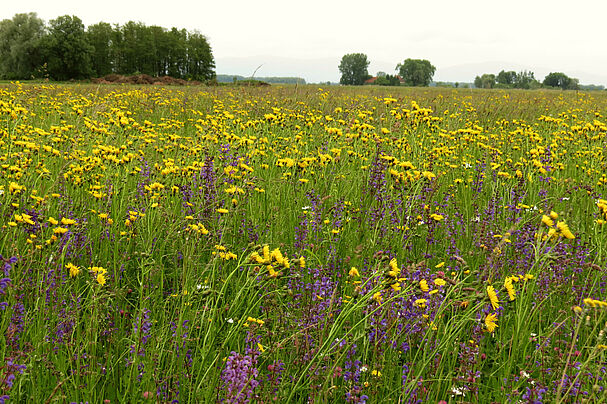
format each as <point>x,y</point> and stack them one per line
<point>485,81</point>
<point>66,49</point>
<point>524,79</point>
<point>416,72</point>
<point>20,46</point>
<point>557,79</point>
<point>156,51</point>
<point>507,78</point>
<point>100,36</point>
<point>199,61</point>
<point>353,68</point>
<point>70,52</point>
<point>387,80</point>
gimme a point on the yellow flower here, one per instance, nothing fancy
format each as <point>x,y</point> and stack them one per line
<point>595,303</point>
<point>493,297</point>
<point>490,322</point>
<point>53,221</point>
<point>421,303</point>
<point>440,282</point>
<point>100,271</point>
<point>271,272</point>
<point>547,221</point>
<point>60,230</point>
<point>74,270</point>
<point>255,257</point>
<point>222,210</point>
<point>552,233</point>
<point>66,221</point>
<point>14,188</point>
<point>253,320</point>
<point>377,297</point>
<point>354,272</point>
<point>436,217</point>
<point>564,229</point>
<point>423,284</point>
<point>27,219</point>
<point>510,288</point>
<point>266,253</point>
<point>97,269</point>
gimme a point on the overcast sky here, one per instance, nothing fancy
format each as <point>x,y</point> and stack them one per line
<point>308,38</point>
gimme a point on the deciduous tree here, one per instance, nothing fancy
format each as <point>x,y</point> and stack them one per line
<point>557,79</point>
<point>526,80</point>
<point>485,81</point>
<point>20,46</point>
<point>506,78</point>
<point>67,50</point>
<point>416,72</point>
<point>354,69</point>
<point>100,37</point>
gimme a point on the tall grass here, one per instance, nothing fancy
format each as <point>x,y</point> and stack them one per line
<point>301,244</point>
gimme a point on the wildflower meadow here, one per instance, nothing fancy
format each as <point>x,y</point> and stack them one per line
<point>299,244</point>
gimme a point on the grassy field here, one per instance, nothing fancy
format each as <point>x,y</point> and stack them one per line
<point>299,244</point>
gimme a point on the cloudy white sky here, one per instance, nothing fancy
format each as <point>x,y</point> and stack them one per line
<point>308,38</point>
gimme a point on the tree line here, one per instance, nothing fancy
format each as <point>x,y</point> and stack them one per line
<point>419,72</point>
<point>64,49</point>
<point>412,72</point>
<point>527,80</point>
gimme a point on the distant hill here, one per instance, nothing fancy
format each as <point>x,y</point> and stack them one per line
<point>229,78</point>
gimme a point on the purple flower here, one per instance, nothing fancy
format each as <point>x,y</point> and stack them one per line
<point>239,378</point>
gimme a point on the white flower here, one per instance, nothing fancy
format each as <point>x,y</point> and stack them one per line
<point>363,369</point>
<point>230,320</point>
<point>458,391</point>
<point>306,207</point>
<point>467,165</point>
